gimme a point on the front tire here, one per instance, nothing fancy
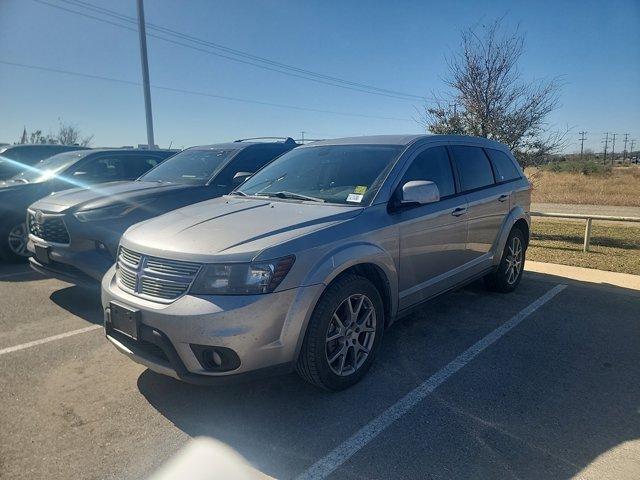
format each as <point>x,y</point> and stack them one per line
<point>509,273</point>
<point>13,242</point>
<point>344,334</point>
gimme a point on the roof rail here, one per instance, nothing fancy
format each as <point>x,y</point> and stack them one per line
<point>284,139</point>
<point>309,140</point>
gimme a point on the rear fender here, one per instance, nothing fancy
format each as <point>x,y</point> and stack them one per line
<point>517,213</point>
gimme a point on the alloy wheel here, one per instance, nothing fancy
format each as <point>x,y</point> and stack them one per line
<point>18,238</point>
<point>514,260</point>
<point>350,334</point>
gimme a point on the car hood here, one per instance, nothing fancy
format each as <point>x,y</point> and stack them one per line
<point>231,228</point>
<point>102,195</point>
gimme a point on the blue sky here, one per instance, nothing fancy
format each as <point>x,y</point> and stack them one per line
<point>397,45</point>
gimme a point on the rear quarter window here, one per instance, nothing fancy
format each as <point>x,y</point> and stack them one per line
<point>503,166</point>
<point>473,166</point>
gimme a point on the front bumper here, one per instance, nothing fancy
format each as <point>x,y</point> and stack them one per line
<point>80,262</point>
<point>265,332</point>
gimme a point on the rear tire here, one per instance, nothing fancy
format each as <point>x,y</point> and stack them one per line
<point>344,334</point>
<point>13,242</point>
<point>509,273</point>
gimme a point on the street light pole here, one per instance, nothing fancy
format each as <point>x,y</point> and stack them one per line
<point>145,74</point>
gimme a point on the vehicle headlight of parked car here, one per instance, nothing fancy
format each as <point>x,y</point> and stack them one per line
<point>110,212</point>
<point>242,278</point>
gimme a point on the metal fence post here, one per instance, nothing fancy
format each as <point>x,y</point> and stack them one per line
<point>587,235</point>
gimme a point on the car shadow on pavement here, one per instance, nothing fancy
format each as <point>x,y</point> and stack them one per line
<point>18,272</point>
<point>539,416</point>
<point>81,301</point>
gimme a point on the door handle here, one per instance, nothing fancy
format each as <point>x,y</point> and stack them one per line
<point>503,198</point>
<point>459,211</point>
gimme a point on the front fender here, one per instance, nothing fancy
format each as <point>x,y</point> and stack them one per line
<point>517,213</point>
<point>347,256</point>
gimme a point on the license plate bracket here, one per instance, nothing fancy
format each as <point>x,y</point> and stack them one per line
<point>125,320</point>
<point>42,254</point>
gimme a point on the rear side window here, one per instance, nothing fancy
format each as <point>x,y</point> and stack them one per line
<point>473,166</point>
<point>503,166</point>
<point>433,164</point>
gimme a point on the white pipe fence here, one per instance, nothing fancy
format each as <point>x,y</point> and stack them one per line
<point>589,219</point>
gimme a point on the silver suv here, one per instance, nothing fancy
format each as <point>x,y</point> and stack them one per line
<point>306,263</point>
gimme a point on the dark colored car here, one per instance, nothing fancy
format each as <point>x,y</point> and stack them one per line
<point>82,168</point>
<point>75,234</point>
<point>15,159</point>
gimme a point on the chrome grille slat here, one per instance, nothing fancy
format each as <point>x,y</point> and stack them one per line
<point>154,278</point>
<point>132,258</point>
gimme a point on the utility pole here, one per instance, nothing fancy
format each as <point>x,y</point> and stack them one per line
<point>606,146</point>
<point>145,74</point>
<point>582,138</point>
<point>302,136</point>
<point>613,149</point>
<point>633,142</point>
<point>624,154</point>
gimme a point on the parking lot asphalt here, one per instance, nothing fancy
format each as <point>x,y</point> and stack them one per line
<point>553,393</point>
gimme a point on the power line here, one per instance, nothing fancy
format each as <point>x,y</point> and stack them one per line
<point>203,94</point>
<point>582,139</point>
<point>247,58</point>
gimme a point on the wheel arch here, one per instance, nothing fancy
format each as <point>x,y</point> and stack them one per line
<point>362,258</point>
<point>516,217</point>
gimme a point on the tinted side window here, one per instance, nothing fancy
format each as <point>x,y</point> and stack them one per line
<point>249,160</point>
<point>433,165</point>
<point>138,165</point>
<point>473,166</point>
<point>503,166</point>
<point>103,169</point>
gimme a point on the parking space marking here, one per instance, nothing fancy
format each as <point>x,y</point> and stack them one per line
<point>48,339</point>
<point>16,274</point>
<point>326,465</point>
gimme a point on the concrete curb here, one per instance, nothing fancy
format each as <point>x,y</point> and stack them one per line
<point>624,280</point>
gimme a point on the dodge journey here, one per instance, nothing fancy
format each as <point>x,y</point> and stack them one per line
<point>307,262</point>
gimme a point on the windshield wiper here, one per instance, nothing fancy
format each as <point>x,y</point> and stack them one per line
<point>285,194</point>
<point>237,192</point>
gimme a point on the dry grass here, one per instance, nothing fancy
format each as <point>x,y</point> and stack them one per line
<point>613,248</point>
<point>619,187</point>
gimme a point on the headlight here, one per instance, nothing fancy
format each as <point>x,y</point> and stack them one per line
<point>242,278</point>
<point>107,213</point>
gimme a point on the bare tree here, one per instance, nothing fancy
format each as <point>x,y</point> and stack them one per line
<point>69,135</point>
<point>487,97</point>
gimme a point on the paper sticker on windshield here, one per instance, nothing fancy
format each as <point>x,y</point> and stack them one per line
<point>354,197</point>
<point>360,190</point>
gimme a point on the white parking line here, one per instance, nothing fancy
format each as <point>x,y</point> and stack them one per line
<point>325,466</point>
<point>48,339</point>
<point>16,274</point>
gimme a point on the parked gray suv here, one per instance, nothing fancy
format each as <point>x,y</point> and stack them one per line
<point>308,261</point>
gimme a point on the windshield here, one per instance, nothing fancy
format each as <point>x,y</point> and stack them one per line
<point>48,168</point>
<point>343,174</point>
<point>194,166</point>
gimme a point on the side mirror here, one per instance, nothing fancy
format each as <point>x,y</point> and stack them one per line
<point>419,192</point>
<point>240,177</point>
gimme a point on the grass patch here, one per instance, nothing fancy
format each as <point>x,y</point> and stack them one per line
<point>613,248</point>
<point>569,184</point>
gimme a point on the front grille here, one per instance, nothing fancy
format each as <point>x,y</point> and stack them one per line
<point>48,228</point>
<point>158,279</point>
<point>131,258</point>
